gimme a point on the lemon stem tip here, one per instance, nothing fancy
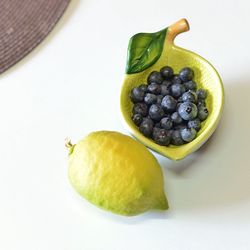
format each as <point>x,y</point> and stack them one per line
<point>68,143</point>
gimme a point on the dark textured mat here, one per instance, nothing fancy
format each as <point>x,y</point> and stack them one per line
<point>24,24</point>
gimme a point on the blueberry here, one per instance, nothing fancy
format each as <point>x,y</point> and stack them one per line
<point>157,125</point>
<point>188,134</point>
<point>187,111</point>
<point>161,137</point>
<point>165,90</point>
<point>176,138</point>
<point>154,88</point>
<point>176,118</point>
<point>137,95</point>
<point>189,96</point>
<point>159,99</point>
<point>156,112</point>
<point>146,127</point>
<point>155,130</point>
<point>150,99</point>
<point>202,113</point>
<point>167,72</point>
<point>176,79</point>
<point>168,103</point>
<point>186,74</point>
<point>170,132</point>
<point>137,119</point>
<point>155,77</point>
<point>140,108</point>
<point>180,126</point>
<point>177,89</point>
<point>201,102</point>
<point>190,85</point>
<point>196,124</point>
<point>167,83</point>
<point>201,94</point>
<point>179,99</point>
<point>178,105</point>
<point>166,122</point>
<point>143,87</point>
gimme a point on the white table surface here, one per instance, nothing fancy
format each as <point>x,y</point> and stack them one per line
<point>70,85</point>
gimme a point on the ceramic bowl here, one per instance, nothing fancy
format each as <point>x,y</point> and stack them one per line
<point>152,51</point>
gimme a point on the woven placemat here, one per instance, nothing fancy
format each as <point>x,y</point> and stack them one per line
<point>24,24</point>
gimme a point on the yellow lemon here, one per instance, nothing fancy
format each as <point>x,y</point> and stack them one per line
<point>116,173</point>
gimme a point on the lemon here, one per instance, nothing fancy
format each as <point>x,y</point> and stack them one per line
<point>116,173</point>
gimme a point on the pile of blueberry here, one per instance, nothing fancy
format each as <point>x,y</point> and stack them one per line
<point>169,109</point>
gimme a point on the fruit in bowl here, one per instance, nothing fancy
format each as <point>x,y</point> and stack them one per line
<point>195,94</point>
<point>180,107</point>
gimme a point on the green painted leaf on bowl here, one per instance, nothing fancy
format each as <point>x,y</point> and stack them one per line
<point>144,50</point>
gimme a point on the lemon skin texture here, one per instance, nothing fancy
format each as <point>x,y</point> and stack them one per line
<point>117,173</point>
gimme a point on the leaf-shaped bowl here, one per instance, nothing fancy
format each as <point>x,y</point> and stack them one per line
<point>152,51</point>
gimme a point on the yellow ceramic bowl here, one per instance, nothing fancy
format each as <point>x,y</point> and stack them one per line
<point>206,77</point>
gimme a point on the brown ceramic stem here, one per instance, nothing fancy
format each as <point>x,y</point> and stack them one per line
<point>177,28</point>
